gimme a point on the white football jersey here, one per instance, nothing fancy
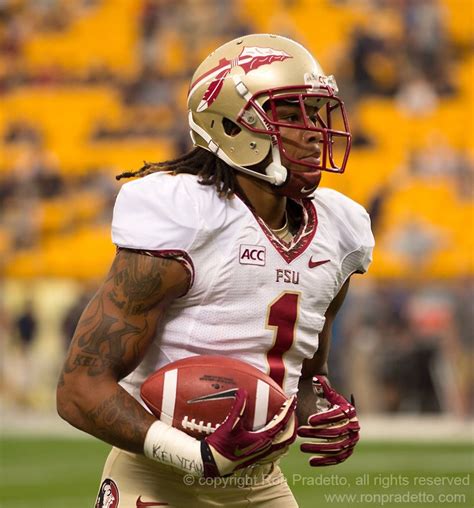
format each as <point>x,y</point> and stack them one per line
<point>252,296</point>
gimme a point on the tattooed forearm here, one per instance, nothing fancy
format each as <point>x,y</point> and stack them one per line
<point>119,419</point>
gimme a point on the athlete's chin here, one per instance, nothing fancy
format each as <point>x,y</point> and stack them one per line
<point>301,168</point>
<point>309,174</point>
<point>308,181</point>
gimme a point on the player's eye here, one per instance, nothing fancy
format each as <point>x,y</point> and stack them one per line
<point>290,118</point>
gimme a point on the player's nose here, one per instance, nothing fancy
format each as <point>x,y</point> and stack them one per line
<point>312,136</point>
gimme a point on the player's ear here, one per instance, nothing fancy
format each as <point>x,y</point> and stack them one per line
<point>230,127</point>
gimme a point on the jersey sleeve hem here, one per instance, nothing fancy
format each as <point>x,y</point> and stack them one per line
<point>357,261</point>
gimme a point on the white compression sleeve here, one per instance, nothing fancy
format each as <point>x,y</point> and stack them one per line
<point>173,447</point>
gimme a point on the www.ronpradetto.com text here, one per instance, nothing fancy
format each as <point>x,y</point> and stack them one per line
<point>386,498</point>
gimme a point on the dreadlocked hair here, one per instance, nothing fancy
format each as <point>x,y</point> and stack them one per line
<point>210,169</point>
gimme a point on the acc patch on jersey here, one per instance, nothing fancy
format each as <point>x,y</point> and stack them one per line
<point>108,496</point>
<point>252,255</point>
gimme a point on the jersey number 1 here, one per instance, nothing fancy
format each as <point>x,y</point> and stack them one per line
<point>282,316</point>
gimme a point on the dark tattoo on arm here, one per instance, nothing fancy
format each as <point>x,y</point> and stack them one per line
<point>133,286</point>
<point>104,343</point>
<point>117,324</point>
<point>111,339</point>
<point>123,414</point>
<point>85,361</point>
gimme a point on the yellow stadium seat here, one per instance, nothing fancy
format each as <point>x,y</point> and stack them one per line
<point>81,46</point>
<point>459,19</point>
<point>55,215</point>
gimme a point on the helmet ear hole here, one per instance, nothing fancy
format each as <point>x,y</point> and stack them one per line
<point>230,127</point>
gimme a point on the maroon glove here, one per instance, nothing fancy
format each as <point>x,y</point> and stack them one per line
<point>334,430</point>
<point>233,447</point>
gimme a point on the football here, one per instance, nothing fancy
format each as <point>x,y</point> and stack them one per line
<point>195,394</point>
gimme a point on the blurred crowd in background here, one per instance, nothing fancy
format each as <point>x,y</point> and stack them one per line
<point>81,108</point>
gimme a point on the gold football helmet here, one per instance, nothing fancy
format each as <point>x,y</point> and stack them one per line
<point>232,109</point>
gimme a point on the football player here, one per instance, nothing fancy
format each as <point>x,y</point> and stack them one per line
<point>230,249</point>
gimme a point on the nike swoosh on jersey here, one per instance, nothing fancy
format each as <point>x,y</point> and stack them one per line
<point>314,264</point>
<point>144,504</point>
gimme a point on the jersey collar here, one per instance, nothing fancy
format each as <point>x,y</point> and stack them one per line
<point>303,237</point>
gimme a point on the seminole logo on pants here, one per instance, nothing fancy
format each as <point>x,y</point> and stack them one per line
<point>108,495</point>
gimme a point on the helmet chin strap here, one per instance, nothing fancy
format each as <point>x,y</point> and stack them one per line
<point>276,173</point>
<point>276,168</point>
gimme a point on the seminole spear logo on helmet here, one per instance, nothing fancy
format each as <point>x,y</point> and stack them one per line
<point>250,58</point>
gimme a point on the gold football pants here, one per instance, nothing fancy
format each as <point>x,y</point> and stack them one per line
<point>139,482</point>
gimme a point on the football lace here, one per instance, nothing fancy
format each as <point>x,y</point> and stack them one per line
<point>191,424</point>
